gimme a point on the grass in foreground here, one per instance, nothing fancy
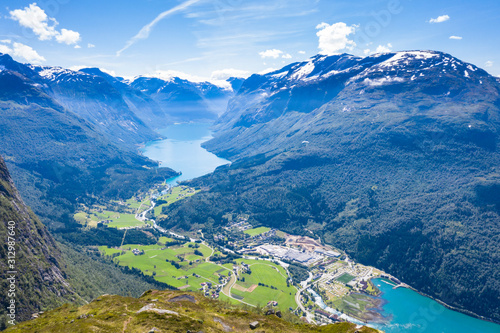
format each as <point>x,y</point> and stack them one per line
<point>170,311</point>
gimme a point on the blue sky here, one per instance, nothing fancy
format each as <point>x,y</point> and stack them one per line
<point>207,38</point>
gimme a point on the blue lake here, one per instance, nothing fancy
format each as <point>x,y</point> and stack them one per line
<point>182,151</point>
<point>410,312</point>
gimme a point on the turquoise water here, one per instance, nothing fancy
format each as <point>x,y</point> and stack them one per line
<point>182,151</point>
<point>410,312</point>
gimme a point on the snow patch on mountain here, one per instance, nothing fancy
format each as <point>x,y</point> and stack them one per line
<point>170,76</point>
<point>404,57</point>
<point>382,81</point>
<point>303,71</point>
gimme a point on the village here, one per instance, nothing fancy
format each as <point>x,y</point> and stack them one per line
<point>328,290</point>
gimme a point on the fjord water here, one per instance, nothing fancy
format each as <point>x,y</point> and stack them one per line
<point>182,151</point>
<point>410,312</point>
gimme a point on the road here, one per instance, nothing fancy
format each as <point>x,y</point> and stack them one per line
<point>305,285</point>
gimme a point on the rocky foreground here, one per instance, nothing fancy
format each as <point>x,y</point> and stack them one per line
<point>168,311</point>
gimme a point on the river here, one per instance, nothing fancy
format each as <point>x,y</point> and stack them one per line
<point>182,151</point>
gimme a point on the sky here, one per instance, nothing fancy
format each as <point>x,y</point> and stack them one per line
<point>222,38</point>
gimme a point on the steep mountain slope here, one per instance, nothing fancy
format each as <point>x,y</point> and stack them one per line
<point>167,311</point>
<point>139,103</point>
<point>392,157</point>
<point>58,158</point>
<point>96,100</point>
<point>40,279</point>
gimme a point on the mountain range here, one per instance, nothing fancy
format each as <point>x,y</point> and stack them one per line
<point>70,134</point>
<point>392,157</point>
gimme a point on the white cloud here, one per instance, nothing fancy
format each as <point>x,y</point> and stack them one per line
<point>380,49</point>
<point>302,52</point>
<point>78,47</point>
<point>456,37</point>
<point>68,37</point>
<point>27,53</point>
<point>489,63</point>
<point>224,74</point>
<point>6,41</point>
<point>90,46</point>
<point>146,30</point>
<point>274,53</point>
<point>77,68</point>
<point>21,52</point>
<point>384,48</point>
<point>286,56</point>
<point>439,19</point>
<point>333,38</point>
<point>34,18</point>
<point>5,49</point>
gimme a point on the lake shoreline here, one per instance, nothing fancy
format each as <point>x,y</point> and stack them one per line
<point>181,150</point>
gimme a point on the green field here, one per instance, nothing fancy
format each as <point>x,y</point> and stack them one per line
<point>177,193</point>
<point>108,251</point>
<point>154,262</point>
<point>345,278</point>
<point>256,231</point>
<point>89,216</point>
<point>269,274</point>
<point>124,220</point>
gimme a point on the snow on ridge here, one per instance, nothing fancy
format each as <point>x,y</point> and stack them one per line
<point>170,76</point>
<point>405,55</point>
<point>382,81</point>
<point>303,71</point>
<point>52,72</point>
<point>279,75</point>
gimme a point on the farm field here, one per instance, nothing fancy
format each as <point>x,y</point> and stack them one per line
<point>194,269</point>
<point>177,193</point>
<point>153,262</point>
<point>124,221</point>
<point>122,214</point>
<point>269,274</point>
<point>256,231</point>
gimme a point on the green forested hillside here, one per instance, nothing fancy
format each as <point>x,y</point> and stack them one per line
<point>58,159</point>
<point>393,158</point>
<point>47,273</point>
<point>39,273</point>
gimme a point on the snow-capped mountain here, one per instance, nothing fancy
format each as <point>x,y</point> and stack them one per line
<point>95,99</point>
<point>308,85</point>
<point>185,100</point>
<point>128,111</point>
